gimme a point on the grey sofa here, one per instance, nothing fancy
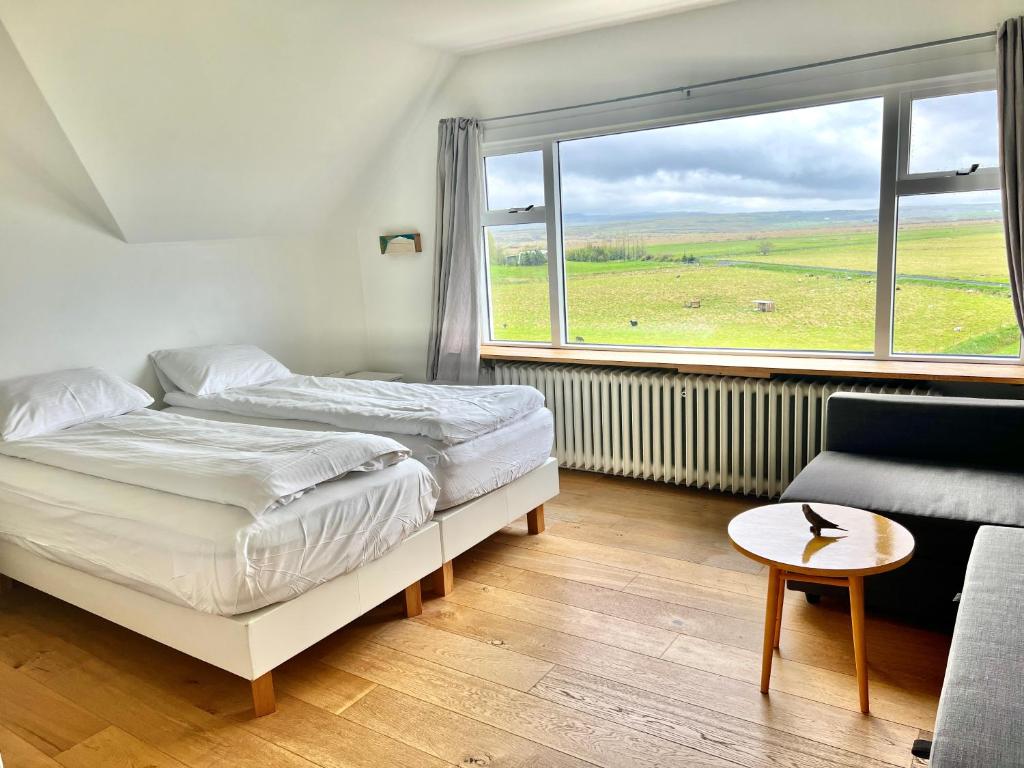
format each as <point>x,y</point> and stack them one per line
<point>952,471</point>
<point>941,466</point>
<point>980,723</point>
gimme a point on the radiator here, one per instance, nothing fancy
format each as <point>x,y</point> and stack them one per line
<point>735,434</point>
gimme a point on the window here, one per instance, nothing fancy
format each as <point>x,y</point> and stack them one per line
<point>517,263</point>
<point>953,293</point>
<point>755,232</point>
<point>516,248</point>
<point>515,180</point>
<point>953,132</point>
<point>952,287</point>
<point>864,226</point>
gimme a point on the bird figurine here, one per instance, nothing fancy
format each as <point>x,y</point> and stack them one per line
<point>819,523</point>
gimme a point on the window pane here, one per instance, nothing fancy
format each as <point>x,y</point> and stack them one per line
<point>952,280</point>
<point>948,133</point>
<point>755,232</point>
<point>518,274</point>
<point>515,181</point>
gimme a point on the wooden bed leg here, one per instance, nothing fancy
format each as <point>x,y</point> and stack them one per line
<point>263,700</point>
<point>413,600</point>
<point>6,584</point>
<point>535,520</point>
<point>443,579</point>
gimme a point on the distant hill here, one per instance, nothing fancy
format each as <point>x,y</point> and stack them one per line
<point>580,225</point>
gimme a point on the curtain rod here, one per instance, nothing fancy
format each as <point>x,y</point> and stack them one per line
<point>685,89</point>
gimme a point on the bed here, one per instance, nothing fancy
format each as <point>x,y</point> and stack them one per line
<point>488,448</point>
<point>463,471</point>
<point>276,539</point>
<point>210,557</point>
<point>493,480</point>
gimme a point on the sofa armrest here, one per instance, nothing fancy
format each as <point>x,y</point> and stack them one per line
<point>963,430</point>
<point>980,722</point>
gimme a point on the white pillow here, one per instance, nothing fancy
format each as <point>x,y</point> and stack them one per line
<point>48,402</point>
<point>207,370</point>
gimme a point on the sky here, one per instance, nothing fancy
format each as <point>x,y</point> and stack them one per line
<point>815,158</point>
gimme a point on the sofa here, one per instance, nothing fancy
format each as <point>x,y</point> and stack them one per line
<point>952,471</point>
<point>941,466</point>
<point>980,722</point>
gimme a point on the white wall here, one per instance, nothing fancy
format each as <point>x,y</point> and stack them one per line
<point>72,293</point>
<point>234,118</point>
<point>720,41</point>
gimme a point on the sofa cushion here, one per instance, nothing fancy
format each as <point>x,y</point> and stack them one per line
<point>980,722</point>
<point>970,431</point>
<point>905,486</point>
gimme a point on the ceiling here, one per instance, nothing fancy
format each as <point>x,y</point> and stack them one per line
<point>466,26</point>
<point>241,118</point>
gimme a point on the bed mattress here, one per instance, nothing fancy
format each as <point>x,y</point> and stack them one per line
<point>462,471</point>
<point>211,557</point>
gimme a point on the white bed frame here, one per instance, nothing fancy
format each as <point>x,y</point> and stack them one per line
<point>466,525</point>
<point>250,645</point>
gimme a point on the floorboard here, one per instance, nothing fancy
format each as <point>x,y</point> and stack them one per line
<point>17,751</point>
<point>628,634</point>
<point>459,739</point>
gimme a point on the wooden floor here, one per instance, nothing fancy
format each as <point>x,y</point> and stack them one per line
<point>628,634</point>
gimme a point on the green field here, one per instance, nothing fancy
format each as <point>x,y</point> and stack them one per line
<point>952,298</point>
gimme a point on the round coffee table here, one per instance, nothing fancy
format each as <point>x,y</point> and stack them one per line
<point>779,536</point>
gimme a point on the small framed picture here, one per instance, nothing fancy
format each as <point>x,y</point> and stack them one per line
<point>409,243</point>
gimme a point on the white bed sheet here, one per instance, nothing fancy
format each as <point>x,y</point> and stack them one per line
<point>211,557</point>
<point>453,414</point>
<point>462,471</point>
<point>242,464</point>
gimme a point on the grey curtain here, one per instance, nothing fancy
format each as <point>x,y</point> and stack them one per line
<point>454,354</point>
<point>1010,79</point>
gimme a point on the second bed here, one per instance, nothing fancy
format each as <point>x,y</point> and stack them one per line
<point>488,448</point>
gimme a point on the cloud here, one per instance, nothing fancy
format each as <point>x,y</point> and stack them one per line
<point>515,180</point>
<point>950,132</point>
<point>815,158</point>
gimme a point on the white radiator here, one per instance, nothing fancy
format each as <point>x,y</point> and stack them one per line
<point>735,434</point>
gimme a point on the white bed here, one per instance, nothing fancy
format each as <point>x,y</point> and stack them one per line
<point>485,483</point>
<point>489,448</point>
<point>463,471</point>
<point>213,558</point>
<point>237,544</point>
<point>252,644</point>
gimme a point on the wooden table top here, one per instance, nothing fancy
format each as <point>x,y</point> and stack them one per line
<point>779,535</point>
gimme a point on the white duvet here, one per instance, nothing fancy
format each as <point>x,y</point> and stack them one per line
<point>211,557</point>
<point>451,414</point>
<point>253,467</point>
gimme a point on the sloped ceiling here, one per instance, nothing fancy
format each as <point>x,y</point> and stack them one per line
<point>38,166</point>
<point>200,120</point>
<point>203,119</point>
<point>468,26</point>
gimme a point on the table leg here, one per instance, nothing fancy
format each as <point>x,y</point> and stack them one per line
<point>771,609</point>
<point>778,612</point>
<point>860,651</point>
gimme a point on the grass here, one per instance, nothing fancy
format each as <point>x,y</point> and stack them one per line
<point>966,250</point>
<point>823,300</point>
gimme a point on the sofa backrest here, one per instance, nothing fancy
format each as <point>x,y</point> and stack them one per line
<point>961,430</point>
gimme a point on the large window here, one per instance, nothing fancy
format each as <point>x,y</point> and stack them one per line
<point>862,226</point>
<point>754,232</point>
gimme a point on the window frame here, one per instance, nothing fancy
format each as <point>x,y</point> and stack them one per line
<point>501,217</point>
<point>917,185</point>
<point>894,182</point>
